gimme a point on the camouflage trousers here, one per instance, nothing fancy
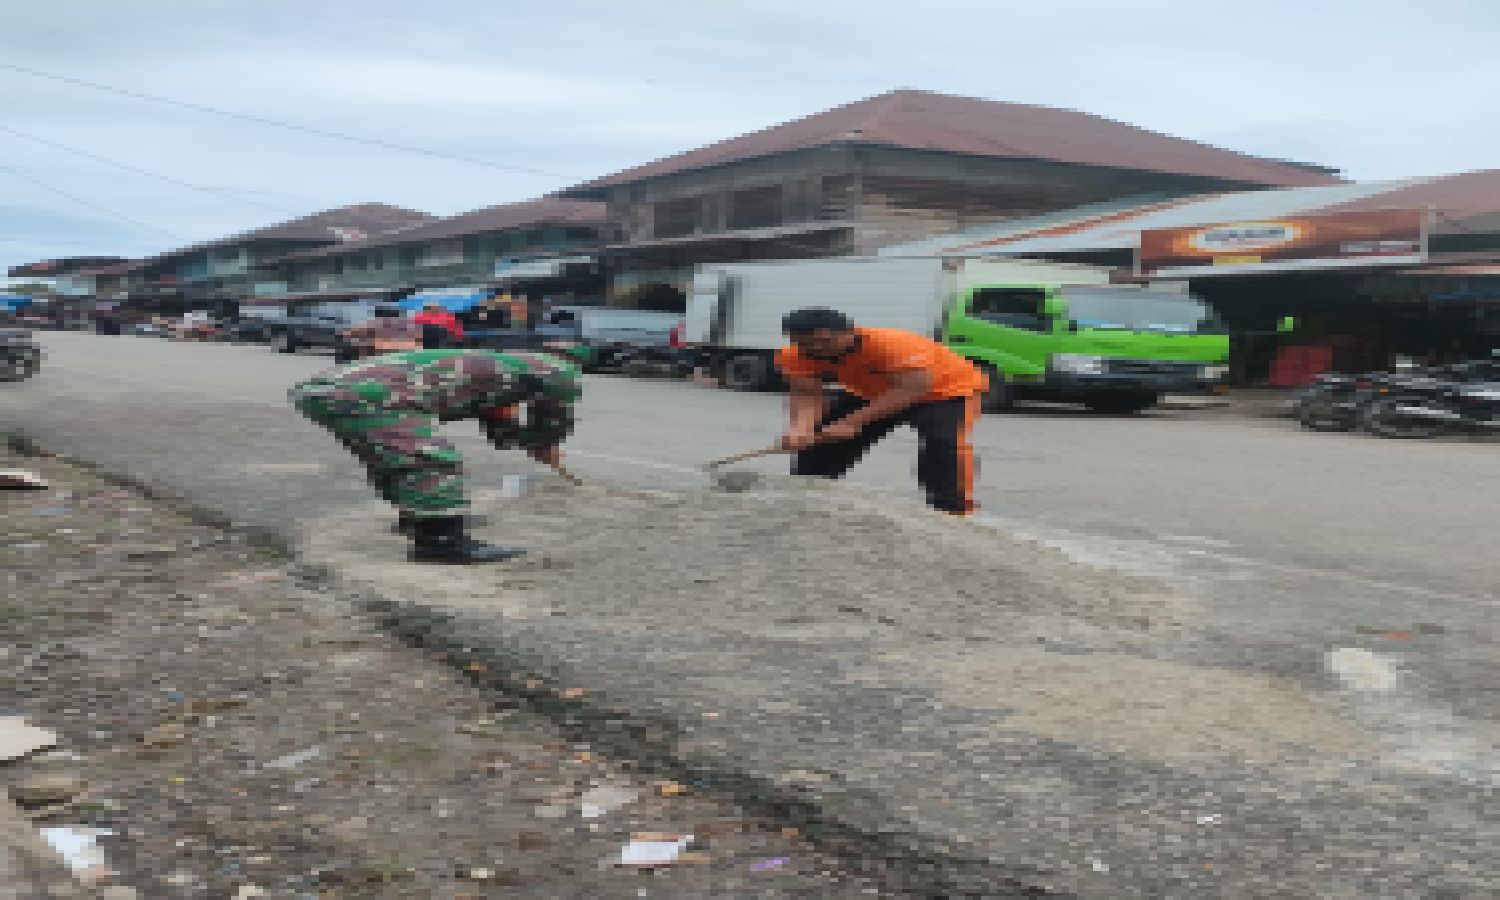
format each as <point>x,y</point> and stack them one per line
<point>407,462</point>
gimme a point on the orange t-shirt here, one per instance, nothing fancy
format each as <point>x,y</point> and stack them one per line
<point>880,353</point>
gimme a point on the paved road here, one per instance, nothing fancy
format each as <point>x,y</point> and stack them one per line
<point>1302,546</point>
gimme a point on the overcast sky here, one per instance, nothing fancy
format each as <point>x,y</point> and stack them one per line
<point>1379,88</point>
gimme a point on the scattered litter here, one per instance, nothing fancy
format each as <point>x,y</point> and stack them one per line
<point>79,848</point>
<point>40,789</point>
<point>1212,819</point>
<point>1098,865</point>
<point>607,798</point>
<point>516,485</point>
<point>550,811</point>
<point>168,734</point>
<point>767,865</point>
<point>653,849</point>
<point>248,891</point>
<point>19,738</point>
<point>292,760</point>
<point>21,479</point>
<point>670,789</point>
<point>54,511</point>
<point>1397,635</point>
<point>488,727</point>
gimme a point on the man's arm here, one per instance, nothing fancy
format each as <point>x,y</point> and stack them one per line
<point>806,408</point>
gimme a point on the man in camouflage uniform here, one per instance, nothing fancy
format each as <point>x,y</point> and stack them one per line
<point>386,410</point>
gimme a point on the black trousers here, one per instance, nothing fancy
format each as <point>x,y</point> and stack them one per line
<point>945,455</point>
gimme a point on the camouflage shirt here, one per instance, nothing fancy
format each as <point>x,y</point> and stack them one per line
<point>466,384</point>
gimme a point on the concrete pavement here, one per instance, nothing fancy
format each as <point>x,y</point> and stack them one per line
<point>1357,570</point>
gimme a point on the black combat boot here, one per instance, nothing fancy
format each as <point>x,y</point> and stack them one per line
<point>405,522</point>
<point>443,540</point>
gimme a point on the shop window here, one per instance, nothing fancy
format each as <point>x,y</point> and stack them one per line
<point>677,218</point>
<point>1011,307</point>
<point>756,207</point>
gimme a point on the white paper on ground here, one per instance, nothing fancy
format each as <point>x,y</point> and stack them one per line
<point>18,738</point>
<point>653,853</point>
<point>78,847</point>
<point>606,798</point>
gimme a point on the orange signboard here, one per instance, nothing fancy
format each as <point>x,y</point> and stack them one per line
<point>1330,241</point>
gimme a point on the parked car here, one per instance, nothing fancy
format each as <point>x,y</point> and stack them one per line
<point>288,334</point>
<point>248,331</point>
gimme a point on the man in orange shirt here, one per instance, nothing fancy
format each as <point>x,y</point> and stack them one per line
<point>891,378</point>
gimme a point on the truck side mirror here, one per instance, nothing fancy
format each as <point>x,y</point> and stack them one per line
<point>1286,324</point>
<point>1054,307</point>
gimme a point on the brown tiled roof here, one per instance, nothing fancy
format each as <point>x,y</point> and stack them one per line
<point>920,120</point>
<point>527,214</point>
<point>343,224</point>
<point>1456,198</point>
<point>68,265</point>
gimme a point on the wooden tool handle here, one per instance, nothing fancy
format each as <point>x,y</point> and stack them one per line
<point>741,457</point>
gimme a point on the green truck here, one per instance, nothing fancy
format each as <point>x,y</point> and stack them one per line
<point>1042,331</point>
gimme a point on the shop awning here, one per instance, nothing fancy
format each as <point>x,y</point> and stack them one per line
<point>454,300</point>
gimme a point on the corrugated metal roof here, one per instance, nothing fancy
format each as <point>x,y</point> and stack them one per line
<point>1122,231</point>
<point>953,243</point>
<point>921,120</point>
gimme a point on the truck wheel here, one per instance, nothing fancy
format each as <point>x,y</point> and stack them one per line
<point>282,342</point>
<point>747,373</point>
<point>1123,403</point>
<point>999,397</point>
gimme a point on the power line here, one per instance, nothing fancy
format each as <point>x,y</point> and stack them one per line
<point>218,192</point>
<point>276,123</point>
<point>88,203</point>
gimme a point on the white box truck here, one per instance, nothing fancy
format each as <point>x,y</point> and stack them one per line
<point>1041,330</point>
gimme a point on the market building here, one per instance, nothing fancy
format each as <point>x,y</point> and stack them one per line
<point>1371,272</point>
<point>71,287</point>
<point>891,169</point>
<point>219,274</point>
<point>547,245</point>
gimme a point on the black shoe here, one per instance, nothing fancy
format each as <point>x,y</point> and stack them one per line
<point>404,522</point>
<point>443,540</point>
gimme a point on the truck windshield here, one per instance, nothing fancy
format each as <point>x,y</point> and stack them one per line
<point>1137,309</point>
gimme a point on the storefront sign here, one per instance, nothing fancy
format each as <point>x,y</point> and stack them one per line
<point>1337,240</point>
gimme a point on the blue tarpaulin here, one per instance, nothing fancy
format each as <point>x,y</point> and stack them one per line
<point>14,302</point>
<point>453,301</point>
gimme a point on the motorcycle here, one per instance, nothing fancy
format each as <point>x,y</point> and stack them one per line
<point>1338,402</point>
<point>20,355</point>
<point>1331,403</point>
<point>1465,397</point>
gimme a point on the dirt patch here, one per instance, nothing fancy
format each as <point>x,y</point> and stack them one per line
<point>794,556</point>
<point>1146,708</point>
<point>233,726</point>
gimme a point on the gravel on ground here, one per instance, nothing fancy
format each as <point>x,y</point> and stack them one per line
<point>241,734</point>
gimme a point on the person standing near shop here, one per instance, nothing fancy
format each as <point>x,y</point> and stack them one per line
<point>890,378</point>
<point>440,328</point>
